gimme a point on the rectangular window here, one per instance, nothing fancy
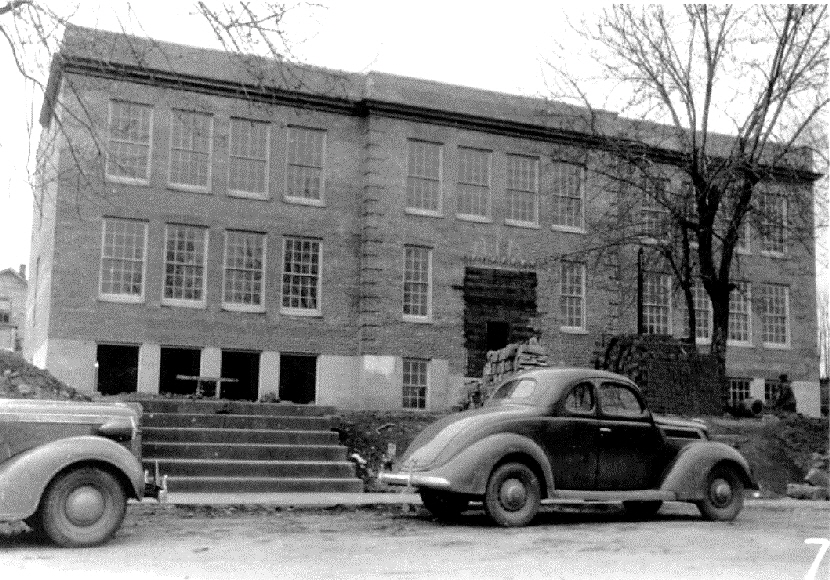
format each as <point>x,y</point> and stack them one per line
<point>567,198</point>
<point>657,303</point>
<point>423,177</point>
<point>123,247</point>
<point>775,330</point>
<point>184,265</point>
<point>305,155</point>
<point>703,313</point>
<point>742,245</point>
<point>738,390</point>
<point>417,282</point>
<point>522,190</point>
<point>473,183</point>
<point>771,388</point>
<point>740,314</point>
<point>572,296</point>
<point>190,147</point>
<point>244,270</point>
<point>130,128</point>
<point>773,223</point>
<point>654,214</point>
<point>248,172</point>
<point>301,276</point>
<point>415,383</point>
<point>5,310</point>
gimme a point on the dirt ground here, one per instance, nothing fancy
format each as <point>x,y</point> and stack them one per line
<point>391,542</point>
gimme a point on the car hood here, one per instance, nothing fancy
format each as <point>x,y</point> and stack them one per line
<point>675,424</point>
<point>47,411</point>
<point>451,430</point>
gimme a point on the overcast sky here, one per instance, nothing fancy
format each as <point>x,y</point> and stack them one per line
<point>490,45</point>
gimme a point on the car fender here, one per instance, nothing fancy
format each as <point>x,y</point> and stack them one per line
<point>24,477</point>
<point>686,476</point>
<point>469,471</point>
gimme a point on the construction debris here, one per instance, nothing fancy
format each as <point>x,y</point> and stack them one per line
<point>815,486</point>
<point>22,380</point>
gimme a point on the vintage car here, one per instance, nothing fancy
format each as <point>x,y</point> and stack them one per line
<point>572,435</point>
<point>67,468</point>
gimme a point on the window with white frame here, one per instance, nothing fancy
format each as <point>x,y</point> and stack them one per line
<point>568,197</point>
<point>130,129</point>
<point>775,324</point>
<point>473,188</point>
<point>742,244</point>
<point>773,210</point>
<point>123,247</point>
<point>190,148</point>
<point>248,172</point>
<point>184,265</point>
<point>703,312</point>
<point>654,214</point>
<point>738,389</point>
<point>423,177</point>
<point>572,296</point>
<point>301,281</point>
<point>417,282</point>
<point>771,389</point>
<point>740,314</point>
<point>305,156</point>
<point>656,303</point>
<point>244,270</point>
<point>522,189</point>
<point>415,383</point>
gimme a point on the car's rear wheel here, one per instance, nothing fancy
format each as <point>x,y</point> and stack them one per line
<point>82,507</point>
<point>723,495</point>
<point>641,509</point>
<point>513,495</point>
<point>444,505</point>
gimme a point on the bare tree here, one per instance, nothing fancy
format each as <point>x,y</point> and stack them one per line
<point>761,71</point>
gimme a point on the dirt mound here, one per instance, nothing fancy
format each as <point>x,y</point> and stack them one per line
<point>22,380</point>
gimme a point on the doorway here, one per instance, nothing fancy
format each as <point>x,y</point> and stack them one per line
<point>117,369</point>
<point>298,378</point>
<point>242,365</point>
<point>175,361</point>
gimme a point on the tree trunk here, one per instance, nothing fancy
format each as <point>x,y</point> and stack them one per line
<point>720,334</point>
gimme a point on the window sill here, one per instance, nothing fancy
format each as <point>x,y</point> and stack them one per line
<point>189,188</point>
<point>300,313</point>
<point>651,240</point>
<point>120,298</point>
<point>739,344</point>
<point>417,319</point>
<point>248,195</point>
<point>520,224</point>
<point>568,229</point>
<point>423,212</point>
<point>573,330</point>
<point>479,219</point>
<point>776,346</point>
<point>230,307</point>
<point>184,303</point>
<point>304,201</point>
<point>777,255</point>
<point>127,180</point>
<point>703,341</point>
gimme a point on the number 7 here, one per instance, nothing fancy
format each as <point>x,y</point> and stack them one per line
<point>824,543</point>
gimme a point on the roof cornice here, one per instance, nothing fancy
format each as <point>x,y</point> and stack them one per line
<point>362,107</point>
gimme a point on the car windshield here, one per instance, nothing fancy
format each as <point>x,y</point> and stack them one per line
<point>519,391</point>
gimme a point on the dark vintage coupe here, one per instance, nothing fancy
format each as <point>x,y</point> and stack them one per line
<point>573,435</point>
<point>67,468</point>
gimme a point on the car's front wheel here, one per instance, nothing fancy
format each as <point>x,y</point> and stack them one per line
<point>723,496</point>
<point>444,505</point>
<point>82,507</point>
<point>513,495</point>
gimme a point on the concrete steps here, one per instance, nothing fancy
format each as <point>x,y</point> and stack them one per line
<point>241,447</point>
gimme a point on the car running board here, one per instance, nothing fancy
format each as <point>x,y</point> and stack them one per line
<point>634,495</point>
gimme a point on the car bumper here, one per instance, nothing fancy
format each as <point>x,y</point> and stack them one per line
<point>416,480</point>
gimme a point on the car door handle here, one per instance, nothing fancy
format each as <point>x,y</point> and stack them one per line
<point>605,429</point>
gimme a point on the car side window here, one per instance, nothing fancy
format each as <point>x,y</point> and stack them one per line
<point>514,390</point>
<point>619,401</point>
<point>580,399</point>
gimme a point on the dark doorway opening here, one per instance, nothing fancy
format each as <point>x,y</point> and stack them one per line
<point>499,308</point>
<point>117,369</point>
<point>242,365</point>
<point>298,378</point>
<point>177,361</point>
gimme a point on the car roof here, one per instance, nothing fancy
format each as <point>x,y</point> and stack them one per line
<point>569,374</point>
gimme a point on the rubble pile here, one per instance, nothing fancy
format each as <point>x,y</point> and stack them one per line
<point>501,364</point>
<point>816,484</point>
<point>22,380</point>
